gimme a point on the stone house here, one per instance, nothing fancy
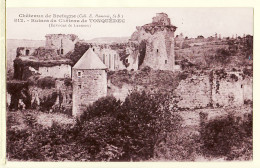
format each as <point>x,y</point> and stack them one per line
<point>89,81</point>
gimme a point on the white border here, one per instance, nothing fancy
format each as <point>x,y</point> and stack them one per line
<point>136,3</point>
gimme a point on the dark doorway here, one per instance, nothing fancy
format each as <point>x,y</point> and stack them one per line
<point>27,52</point>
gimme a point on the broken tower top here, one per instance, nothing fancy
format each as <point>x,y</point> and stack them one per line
<point>160,22</point>
<point>162,19</point>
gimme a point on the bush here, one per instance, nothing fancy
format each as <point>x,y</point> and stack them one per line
<point>219,137</point>
<point>47,102</point>
<point>108,130</point>
<point>104,106</point>
<point>68,82</point>
<point>130,129</point>
<point>222,56</point>
<point>46,82</point>
<point>146,69</point>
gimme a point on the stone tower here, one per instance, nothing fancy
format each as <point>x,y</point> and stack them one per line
<point>62,43</point>
<point>159,39</point>
<point>89,80</point>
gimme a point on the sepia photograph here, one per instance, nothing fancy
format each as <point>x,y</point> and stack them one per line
<point>129,84</point>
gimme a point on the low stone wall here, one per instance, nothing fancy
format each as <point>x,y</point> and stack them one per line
<point>197,90</point>
<point>231,89</point>
<point>222,89</point>
<point>194,92</point>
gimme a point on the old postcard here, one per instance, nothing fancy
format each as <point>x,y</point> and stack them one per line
<point>129,84</point>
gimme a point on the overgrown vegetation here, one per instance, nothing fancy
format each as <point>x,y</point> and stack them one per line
<point>229,136</point>
<point>79,50</point>
<point>156,80</point>
<point>108,130</point>
<point>47,102</point>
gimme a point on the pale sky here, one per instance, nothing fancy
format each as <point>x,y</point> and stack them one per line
<point>190,21</point>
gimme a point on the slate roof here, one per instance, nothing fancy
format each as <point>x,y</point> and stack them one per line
<point>89,60</point>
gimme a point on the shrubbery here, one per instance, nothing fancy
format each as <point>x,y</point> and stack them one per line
<point>220,137</point>
<point>47,102</point>
<point>222,56</point>
<point>46,82</point>
<point>109,130</point>
<point>143,127</point>
<point>132,128</point>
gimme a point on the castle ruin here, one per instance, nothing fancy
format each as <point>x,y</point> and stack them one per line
<point>159,39</point>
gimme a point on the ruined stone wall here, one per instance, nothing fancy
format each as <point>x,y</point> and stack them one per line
<point>87,88</point>
<point>64,95</point>
<point>109,58</point>
<point>27,51</point>
<point>45,53</point>
<point>115,56</point>
<point>156,53</point>
<point>228,89</point>
<point>61,71</point>
<point>219,90</point>
<point>159,47</point>
<point>131,60</point>
<point>61,41</point>
<point>194,92</point>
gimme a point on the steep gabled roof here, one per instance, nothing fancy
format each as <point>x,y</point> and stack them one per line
<point>89,60</point>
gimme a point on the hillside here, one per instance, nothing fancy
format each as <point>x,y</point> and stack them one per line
<point>227,54</point>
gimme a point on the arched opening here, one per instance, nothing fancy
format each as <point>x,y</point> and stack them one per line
<point>61,51</point>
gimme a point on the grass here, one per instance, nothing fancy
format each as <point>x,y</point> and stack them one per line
<point>18,118</point>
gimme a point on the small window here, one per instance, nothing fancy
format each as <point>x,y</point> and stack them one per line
<point>241,86</point>
<point>79,74</point>
<point>157,50</point>
<point>27,52</point>
<point>79,86</point>
<point>93,49</point>
<point>61,51</point>
<point>165,61</point>
<point>126,60</point>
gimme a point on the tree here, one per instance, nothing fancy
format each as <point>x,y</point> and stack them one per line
<point>131,129</point>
